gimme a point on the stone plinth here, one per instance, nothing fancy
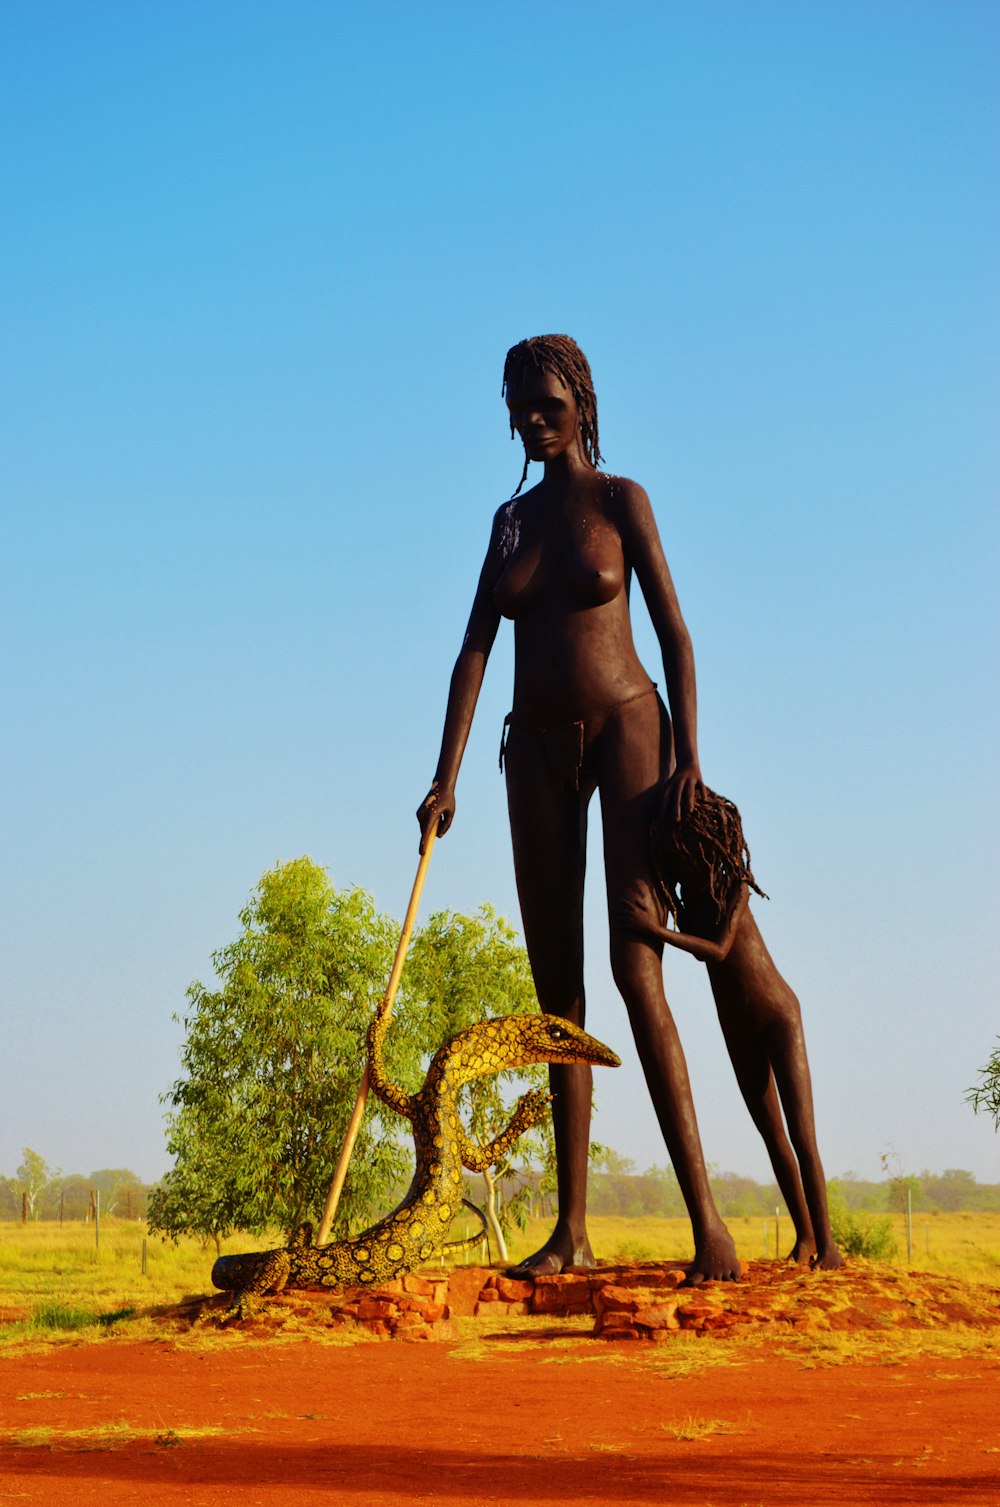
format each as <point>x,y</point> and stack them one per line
<point>646,1301</point>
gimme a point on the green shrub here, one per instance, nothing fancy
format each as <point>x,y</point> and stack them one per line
<point>859,1234</point>
<point>56,1315</point>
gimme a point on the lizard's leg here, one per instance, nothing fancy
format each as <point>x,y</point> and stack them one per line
<point>530,1109</point>
<point>268,1274</point>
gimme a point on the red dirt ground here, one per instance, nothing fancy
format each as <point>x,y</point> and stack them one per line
<point>391,1424</point>
<point>536,1414</point>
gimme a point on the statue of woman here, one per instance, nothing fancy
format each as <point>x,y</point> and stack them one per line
<point>585,716</point>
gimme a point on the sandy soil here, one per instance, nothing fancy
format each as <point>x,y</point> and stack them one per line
<point>532,1416</point>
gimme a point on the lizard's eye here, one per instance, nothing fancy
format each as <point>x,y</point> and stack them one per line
<point>558,1033</point>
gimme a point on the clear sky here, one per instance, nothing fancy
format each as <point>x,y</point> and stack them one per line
<point>261,264</point>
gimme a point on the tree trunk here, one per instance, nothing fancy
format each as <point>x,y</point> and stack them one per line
<point>491,1213</point>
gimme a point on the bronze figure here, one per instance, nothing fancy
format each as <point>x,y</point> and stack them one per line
<point>703,867</point>
<point>585,716</point>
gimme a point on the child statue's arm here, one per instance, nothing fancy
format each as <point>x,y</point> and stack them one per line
<point>636,913</point>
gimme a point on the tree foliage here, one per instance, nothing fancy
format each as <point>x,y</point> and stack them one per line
<point>985,1095</point>
<point>272,1061</point>
<point>274,1054</point>
<point>273,1057</point>
<point>31,1179</point>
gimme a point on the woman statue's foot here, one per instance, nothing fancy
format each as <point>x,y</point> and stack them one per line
<point>715,1260</point>
<point>560,1251</point>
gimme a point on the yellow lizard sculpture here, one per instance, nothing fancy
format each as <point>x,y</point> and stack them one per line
<point>415,1231</point>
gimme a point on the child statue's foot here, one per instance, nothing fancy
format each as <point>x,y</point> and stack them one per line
<point>828,1259</point>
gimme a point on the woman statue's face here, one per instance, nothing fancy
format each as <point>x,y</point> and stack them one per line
<point>544,413</point>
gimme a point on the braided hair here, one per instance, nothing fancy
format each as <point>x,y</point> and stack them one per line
<point>711,837</point>
<point>561,355</point>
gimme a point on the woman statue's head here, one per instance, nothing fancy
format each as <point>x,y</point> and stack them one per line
<point>562,356</point>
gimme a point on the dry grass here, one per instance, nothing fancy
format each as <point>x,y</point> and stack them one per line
<point>957,1245</point>
<point>691,1358</point>
<point>822,1348</point>
<point>43,1260</point>
<point>106,1436</point>
<point>56,1287</point>
<point>692,1429</point>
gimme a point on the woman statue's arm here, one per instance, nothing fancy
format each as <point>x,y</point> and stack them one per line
<point>438,806</point>
<point>644,553</point>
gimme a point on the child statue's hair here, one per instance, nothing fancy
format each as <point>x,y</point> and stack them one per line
<point>712,837</point>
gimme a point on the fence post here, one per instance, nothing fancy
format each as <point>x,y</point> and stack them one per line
<point>97,1220</point>
<point>909,1228</point>
<point>777,1237</point>
<point>143,1255</point>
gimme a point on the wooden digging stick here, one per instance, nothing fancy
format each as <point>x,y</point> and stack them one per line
<point>354,1125</point>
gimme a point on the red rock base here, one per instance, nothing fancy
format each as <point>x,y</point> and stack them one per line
<point>644,1302</point>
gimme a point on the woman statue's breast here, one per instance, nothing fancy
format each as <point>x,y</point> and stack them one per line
<point>587,570</point>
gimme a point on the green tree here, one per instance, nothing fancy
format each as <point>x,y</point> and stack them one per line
<point>10,1199</point>
<point>273,1057</point>
<point>272,1061</point>
<point>68,1196</point>
<point>985,1095</point>
<point>955,1189</point>
<point>31,1178</point>
<point>618,1165</point>
<point>122,1191</point>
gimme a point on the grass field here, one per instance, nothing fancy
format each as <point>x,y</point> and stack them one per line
<point>960,1245</point>
<point>47,1269</point>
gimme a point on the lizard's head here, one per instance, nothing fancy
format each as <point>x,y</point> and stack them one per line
<point>512,1041</point>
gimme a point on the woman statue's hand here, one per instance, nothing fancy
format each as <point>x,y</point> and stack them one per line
<point>436,809</point>
<point>681,792</point>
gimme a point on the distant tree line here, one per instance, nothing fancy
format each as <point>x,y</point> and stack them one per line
<point>615,1188</point>
<point>38,1191</point>
<point>620,1189</point>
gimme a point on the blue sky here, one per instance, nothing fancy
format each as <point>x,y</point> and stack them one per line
<point>261,266</point>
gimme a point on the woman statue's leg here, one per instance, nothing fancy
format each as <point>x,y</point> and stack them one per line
<point>631,764</point>
<point>548,823</point>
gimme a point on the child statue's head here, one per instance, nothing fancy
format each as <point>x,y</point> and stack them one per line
<point>703,853</point>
